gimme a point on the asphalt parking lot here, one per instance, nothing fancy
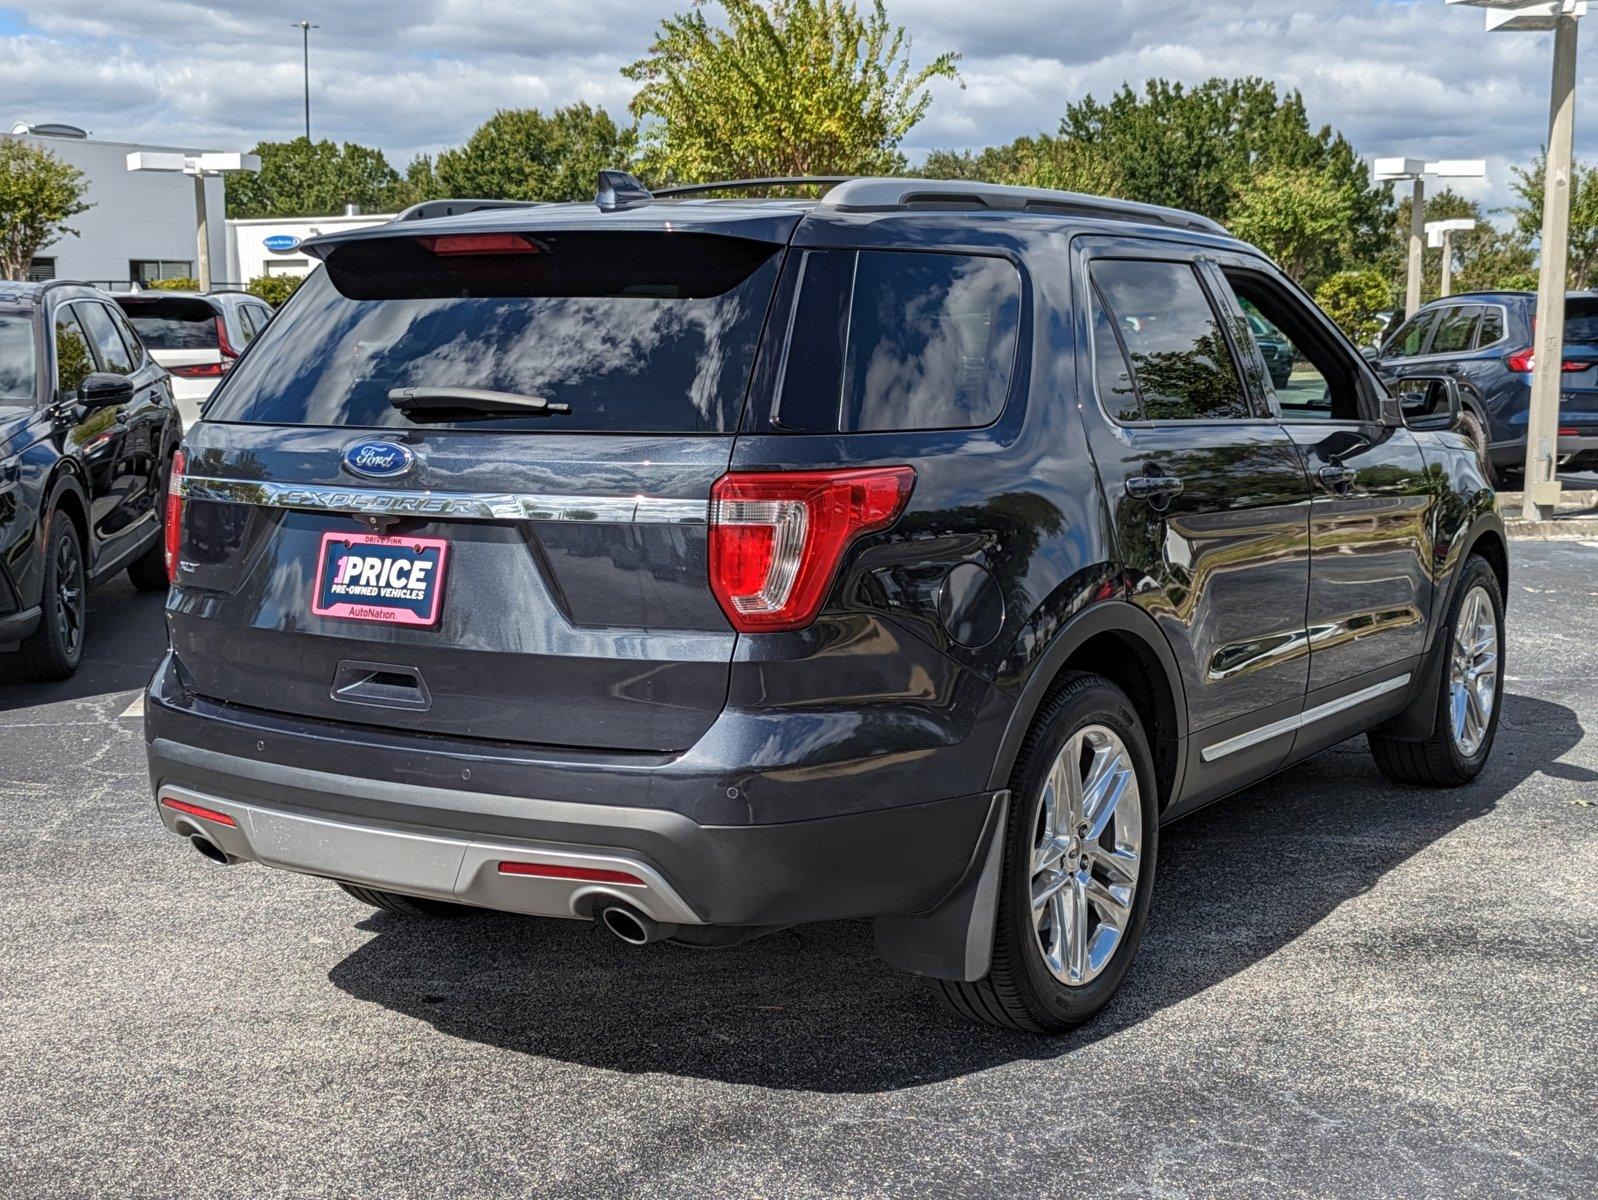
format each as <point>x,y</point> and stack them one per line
<point>1348,989</point>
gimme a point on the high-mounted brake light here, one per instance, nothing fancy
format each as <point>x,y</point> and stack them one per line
<point>195,810</point>
<point>174,514</point>
<point>479,243</point>
<point>1525,360</point>
<point>777,537</point>
<point>561,871</point>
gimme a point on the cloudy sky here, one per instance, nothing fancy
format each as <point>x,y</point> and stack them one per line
<point>1398,76</point>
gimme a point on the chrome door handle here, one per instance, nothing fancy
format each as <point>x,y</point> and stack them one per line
<point>1336,477</point>
<point>1145,487</point>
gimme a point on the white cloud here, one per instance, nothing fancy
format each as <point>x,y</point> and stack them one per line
<point>1397,76</point>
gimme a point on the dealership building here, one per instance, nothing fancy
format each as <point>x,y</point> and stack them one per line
<point>142,224</point>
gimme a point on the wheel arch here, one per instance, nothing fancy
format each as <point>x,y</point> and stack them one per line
<point>1118,640</point>
<point>68,493</point>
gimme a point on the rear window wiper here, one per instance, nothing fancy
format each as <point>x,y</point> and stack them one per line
<point>441,402</point>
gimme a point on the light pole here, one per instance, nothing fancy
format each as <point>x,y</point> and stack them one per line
<point>200,167</point>
<point>1416,170</point>
<point>1441,233</point>
<point>1542,420</point>
<point>305,28</point>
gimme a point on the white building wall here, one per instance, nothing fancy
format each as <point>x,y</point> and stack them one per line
<point>248,257</point>
<point>136,214</point>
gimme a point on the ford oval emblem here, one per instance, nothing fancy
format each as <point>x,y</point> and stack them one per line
<point>378,460</point>
<point>281,243</point>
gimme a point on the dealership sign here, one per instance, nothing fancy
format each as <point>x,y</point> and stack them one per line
<point>282,243</point>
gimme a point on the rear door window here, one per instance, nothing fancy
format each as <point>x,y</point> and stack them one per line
<point>1179,357</point>
<point>899,340</point>
<point>125,332</point>
<point>113,354</point>
<point>1455,329</point>
<point>638,332</point>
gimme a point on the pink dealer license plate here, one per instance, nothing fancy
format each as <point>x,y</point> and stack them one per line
<point>390,580</point>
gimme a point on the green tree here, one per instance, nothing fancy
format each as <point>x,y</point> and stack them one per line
<point>1040,161</point>
<point>1582,270</point>
<point>789,87</point>
<point>1353,298</point>
<point>39,194</point>
<point>180,283</point>
<point>1485,259</point>
<point>274,289</point>
<point>520,154</point>
<point>312,179</point>
<point>1303,218</point>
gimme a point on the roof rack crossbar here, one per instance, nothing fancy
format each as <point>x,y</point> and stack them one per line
<point>739,185</point>
<point>429,209</point>
<point>891,193</point>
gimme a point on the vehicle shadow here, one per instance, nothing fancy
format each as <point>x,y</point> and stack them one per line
<point>814,1009</point>
<point>126,637</point>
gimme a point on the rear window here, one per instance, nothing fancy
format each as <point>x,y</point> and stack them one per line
<point>899,340</point>
<point>633,332</point>
<point>16,359</point>
<point>174,323</point>
<point>1581,322</point>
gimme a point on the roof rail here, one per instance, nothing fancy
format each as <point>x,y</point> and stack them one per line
<point>891,193</point>
<point>730,185</point>
<point>429,209</point>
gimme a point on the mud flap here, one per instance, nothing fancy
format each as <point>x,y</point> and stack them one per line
<point>955,939</point>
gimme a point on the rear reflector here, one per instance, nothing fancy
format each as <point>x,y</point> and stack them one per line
<point>479,243</point>
<point>173,530</point>
<point>1569,431</point>
<point>194,810</point>
<point>777,537</point>
<point>556,871</point>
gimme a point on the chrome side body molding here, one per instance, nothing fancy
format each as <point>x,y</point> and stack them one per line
<point>1298,721</point>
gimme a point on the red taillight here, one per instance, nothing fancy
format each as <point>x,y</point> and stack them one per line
<point>776,537</point>
<point>199,370</point>
<point>174,515</point>
<point>479,243</point>
<point>195,810</point>
<point>557,871</point>
<point>1569,431</point>
<point>1525,360</point>
<point>229,351</point>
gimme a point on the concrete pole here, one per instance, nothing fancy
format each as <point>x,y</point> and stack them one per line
<point>1447,287</point>
<point>202,232</point>
<point>1542,425</point>
<point>1417,244</point>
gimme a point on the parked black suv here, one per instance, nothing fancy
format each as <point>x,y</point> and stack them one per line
<point>1484,340</point>
<point>710,566</point>
<point>87,432</point>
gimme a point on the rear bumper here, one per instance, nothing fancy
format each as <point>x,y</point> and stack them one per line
<point>385,818</point>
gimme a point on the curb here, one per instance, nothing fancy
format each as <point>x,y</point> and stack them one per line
<point>1561,527</point>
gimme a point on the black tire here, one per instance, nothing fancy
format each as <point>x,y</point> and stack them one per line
<point>1019,990</point>
<point>405,906</point>
<point>1438,760</point>
<point>55,648</point>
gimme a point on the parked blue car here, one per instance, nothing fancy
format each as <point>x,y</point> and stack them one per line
<point>1485,340</point>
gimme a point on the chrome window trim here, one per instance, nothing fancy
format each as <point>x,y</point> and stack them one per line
<point>1298,721</point>
<point>460,506</point>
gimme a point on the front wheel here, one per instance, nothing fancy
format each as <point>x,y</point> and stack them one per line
<point>1079,865</point>
<point>1467,701</point>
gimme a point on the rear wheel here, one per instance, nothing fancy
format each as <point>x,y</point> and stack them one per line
<point>405,906</point>
<point>55,648</point>
<point>1468,695</point>
<point>1079,865</point>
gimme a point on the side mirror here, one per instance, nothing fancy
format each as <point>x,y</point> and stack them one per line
<point>1371,353</point>
<point>1428,402</point>
<point>102,389</point>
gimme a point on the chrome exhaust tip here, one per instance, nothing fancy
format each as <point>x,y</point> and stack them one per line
<point>209,849</point>
<point>632,927</point>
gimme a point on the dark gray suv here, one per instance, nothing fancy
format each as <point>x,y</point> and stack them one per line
<point>707,566</point>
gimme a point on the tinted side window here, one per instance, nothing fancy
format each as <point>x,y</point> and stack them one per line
<point>1180,359</point>
<point>897,340</point>
<point>1410,339</point>
<point>113,354</point>
<point>1110,371</point>
<point>1455,330</point>
<point>125,331</point>
<point>73,358</point>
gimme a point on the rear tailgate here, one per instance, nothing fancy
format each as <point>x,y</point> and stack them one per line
<point>566,554</point>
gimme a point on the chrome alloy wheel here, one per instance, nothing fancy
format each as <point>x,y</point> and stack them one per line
<point>1473,672</point>
<point>1086,851</point>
